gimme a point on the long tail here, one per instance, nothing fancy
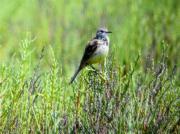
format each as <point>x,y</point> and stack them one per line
<point>74,76</point>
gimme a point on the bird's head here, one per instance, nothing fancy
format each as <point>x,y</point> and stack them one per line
<point>102,33</point>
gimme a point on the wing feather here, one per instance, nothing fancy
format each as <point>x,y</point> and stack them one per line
<point>89,51</point>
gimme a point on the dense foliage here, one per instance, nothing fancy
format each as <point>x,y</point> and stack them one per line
<point>41,43</point>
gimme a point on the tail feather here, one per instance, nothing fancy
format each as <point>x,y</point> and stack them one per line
<point>74,76</point>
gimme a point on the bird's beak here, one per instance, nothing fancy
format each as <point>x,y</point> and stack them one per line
<point>108,32</point>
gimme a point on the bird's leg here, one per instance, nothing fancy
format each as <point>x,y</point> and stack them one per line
<point>94,69</point>
<point>103,71</point>
<point>103,67</point>
<point>97,72</point>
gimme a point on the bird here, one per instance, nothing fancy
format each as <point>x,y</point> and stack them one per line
<point>95,51</point>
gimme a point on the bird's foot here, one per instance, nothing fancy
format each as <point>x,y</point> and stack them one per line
<point>103,76</point>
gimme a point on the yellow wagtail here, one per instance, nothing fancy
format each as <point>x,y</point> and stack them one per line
<point>95,52</point>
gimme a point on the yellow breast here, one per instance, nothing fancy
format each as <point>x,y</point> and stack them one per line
<point>99,55</point>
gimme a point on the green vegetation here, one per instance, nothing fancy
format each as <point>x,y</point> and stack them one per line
<point>41,43</point>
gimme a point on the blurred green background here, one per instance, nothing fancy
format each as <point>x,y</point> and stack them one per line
<point>138,96</point>
<point>66,26</point>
